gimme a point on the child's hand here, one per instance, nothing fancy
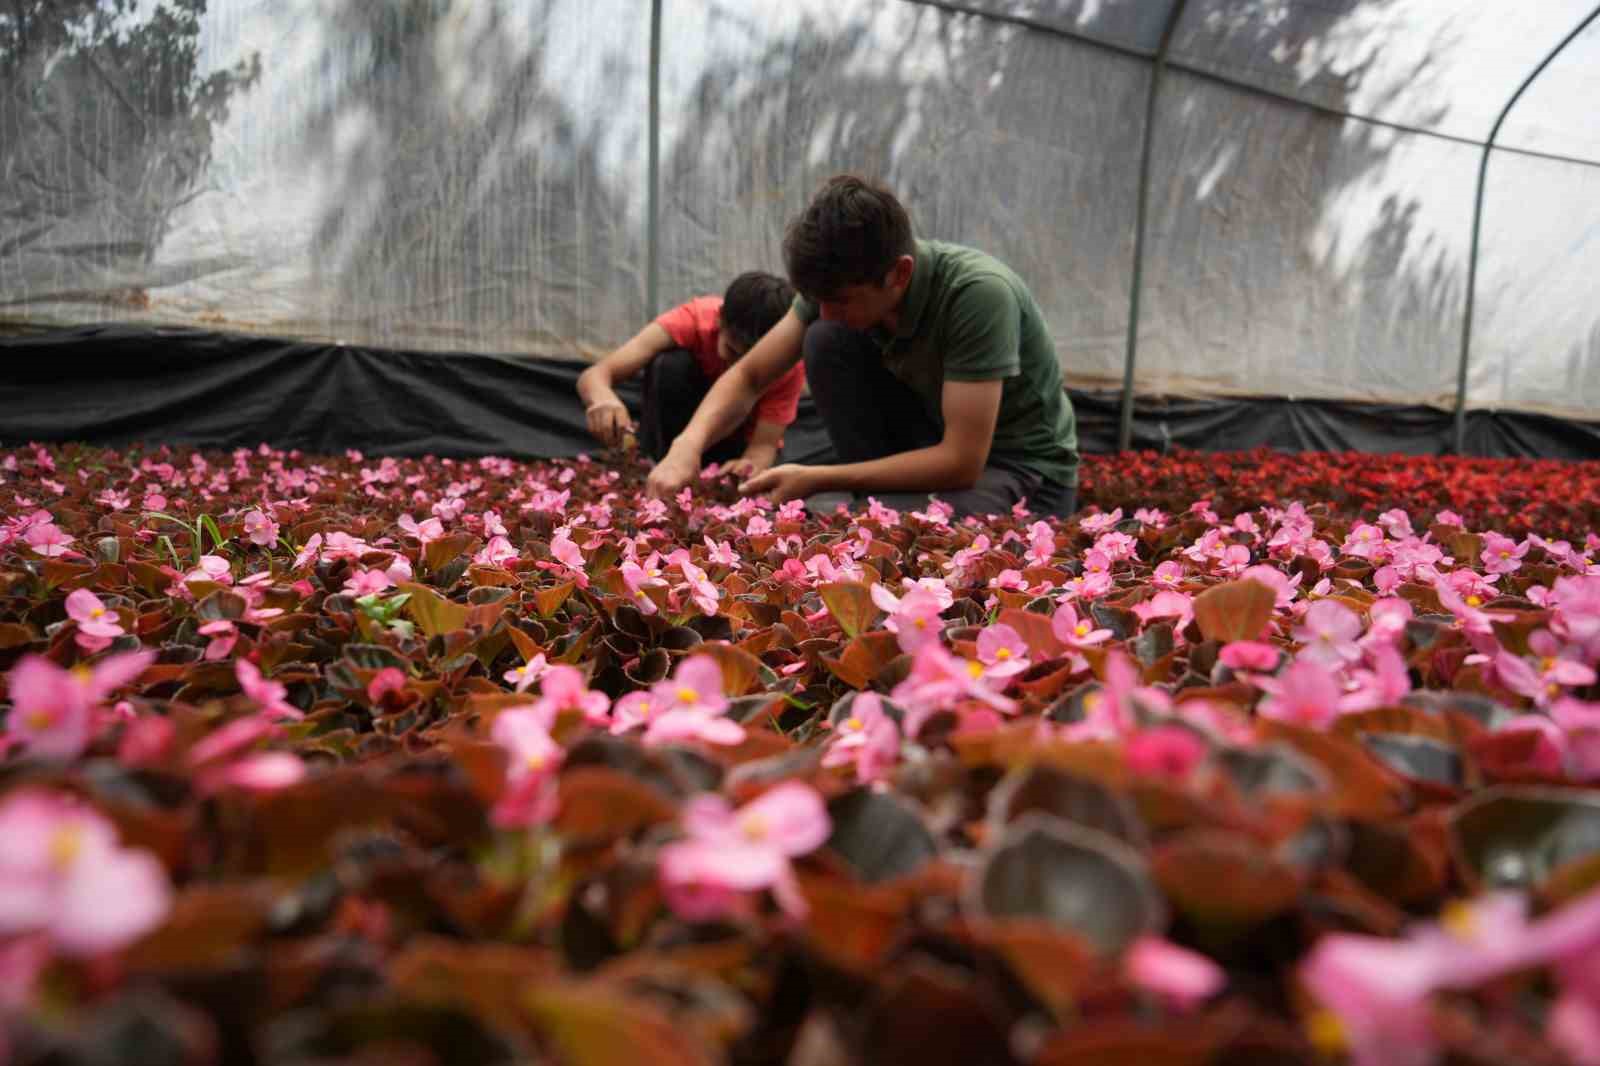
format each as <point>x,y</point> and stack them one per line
<point>609,422</point>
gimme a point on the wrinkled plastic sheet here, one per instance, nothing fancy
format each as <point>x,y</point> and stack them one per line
<point>471,175</point>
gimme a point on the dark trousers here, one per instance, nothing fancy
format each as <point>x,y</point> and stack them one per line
<point>674,385</point>
<point>869,413</point>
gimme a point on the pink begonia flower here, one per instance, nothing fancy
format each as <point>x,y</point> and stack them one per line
<point>704,594</point>
<point>867,739</point>
<point>563,688</point>
<point>1470,618</point>
<point>53,711</point>
<point>672,726</point>
<point>47,540</point>
<point>493,526</point>
<point>1501,554</point>
<point>1306,694</point>
<point>1002,651</point>
<point>1284,588</point>
<point>496,553</point>
<point>212,568</point>
<point>1178,606</point>
<point>520,677</point>
<point>1168,751</point>
<point>633,710</point>
<point>1076,632</point>
<point>1386,579</point>
<point>399,570</point>
<point>938,681</point>
<point>367,582</point>
<point>1384,683</point>
<point>1252,655</point>
<point>310,553</point>
<point>269,695</point>
<point>1180,978</point>
<point>97,625</point>
<point>1552,753</point>
<point>1548,680</point>
<point>531,795</point>
<point>389,679</point>
<point>1041,544</point>
<point>913,618</point>
<point>1168,574</point>
<point>1099,523</point>
<point>224,635</point>
<point>1329,630</point>
<point>728,853</point>
<point>721,553</point>
<point>1088,586</point>
<point>264,771</point>
<point>568,554</point>
<point>690,706</point>
<point>259,529</point>
<point>1366,541</point>
<point>426,531</point>
<point>146,741</point>
<point>1151,516</point>
<point>636,579</point>
<point>154,501</point>
<point>62,874</point>
<point>230,740</point>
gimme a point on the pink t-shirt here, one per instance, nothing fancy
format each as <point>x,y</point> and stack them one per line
<point>696,325</point>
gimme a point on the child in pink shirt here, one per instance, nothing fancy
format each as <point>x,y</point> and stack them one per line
<point>682,353</point>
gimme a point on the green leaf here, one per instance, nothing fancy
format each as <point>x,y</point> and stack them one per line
<point>1072,877</point>
<point>435,614</point>
<point>1238,610</point>
<point>850,603</point>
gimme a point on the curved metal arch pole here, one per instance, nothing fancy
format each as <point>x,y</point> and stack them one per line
<point>652,236</point>
<point>1477,228</point>
<point>1158,68</point>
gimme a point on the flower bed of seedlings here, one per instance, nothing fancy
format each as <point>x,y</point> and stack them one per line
<point>1258,758</point>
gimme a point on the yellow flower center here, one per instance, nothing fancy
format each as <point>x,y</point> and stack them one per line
<point>974,669</point>
<point>65,844</point>
<point>535,761</point>
<point>41,720</point>
<point>1002,653</point>
<point>1547,663</point>
<point>688,695</point>
<point>1327,1033</point>
<point>1504,554</point>
<point>1081,629</point>
<point>1457,919</point>
<point>1092,701</point>
<point>753,826</point>
<point>854,725</point>
<point>97,612</point>
<point>1473,601</point>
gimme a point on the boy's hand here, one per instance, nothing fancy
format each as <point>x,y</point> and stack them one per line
<point>783,482</point>
<point>746,467</point>
<point>609,422</point>
<point>671,474</point>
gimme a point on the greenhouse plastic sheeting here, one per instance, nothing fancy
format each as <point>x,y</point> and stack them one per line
<point>1017,142</point>
<point>474,175</point>
<point>1284,258</point>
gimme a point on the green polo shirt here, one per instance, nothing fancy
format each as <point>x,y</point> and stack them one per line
<point>967,317</point>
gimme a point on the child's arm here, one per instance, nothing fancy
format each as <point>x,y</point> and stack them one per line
<point>761,452</point>
<point>607,415</point>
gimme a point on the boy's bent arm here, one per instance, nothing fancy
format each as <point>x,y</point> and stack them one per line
<point>728,403</point>
<point>970,409</point>
<point>595,384</point>
<point>762,451</point>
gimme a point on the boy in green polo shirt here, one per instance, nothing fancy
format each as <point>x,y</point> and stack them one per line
<point>930,364</point>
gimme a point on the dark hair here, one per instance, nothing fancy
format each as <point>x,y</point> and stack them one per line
<point>753,304</point>
<point>850,234</point>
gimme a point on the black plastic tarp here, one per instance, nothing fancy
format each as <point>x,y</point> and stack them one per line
<point>115,385</point>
